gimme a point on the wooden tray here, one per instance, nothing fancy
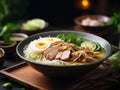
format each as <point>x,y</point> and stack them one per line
<point>26,75</point>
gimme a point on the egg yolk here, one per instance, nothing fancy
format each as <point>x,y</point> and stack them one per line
<point>41,45</point>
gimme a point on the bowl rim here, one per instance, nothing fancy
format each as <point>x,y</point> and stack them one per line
<point>20,34</point>
<point>43,64</point>
<point>12,44</point>
<point>77,20</point>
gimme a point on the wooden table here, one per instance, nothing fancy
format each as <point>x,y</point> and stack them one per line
<point>102,78</point>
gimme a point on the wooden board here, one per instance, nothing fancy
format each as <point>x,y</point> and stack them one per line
<point>26,75</point>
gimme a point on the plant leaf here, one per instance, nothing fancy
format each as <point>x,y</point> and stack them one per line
<point>7,30</point>
<point>115,60</point>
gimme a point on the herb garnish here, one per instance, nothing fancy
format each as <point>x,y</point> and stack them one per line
<point>71,38</point>
<point>6,30</point>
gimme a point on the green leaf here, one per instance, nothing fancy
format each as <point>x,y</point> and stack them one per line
<point>116,18</point>
<point>3,30</point>
<point>61,36</point>
<point>71,38</point>
<point>1,16</point>
<point>7,29</point>
<point>118,26</point>
<point>79,41</point>
<point>7,85</point>
<point>6,37</point>
<point>116,22</point>
<point>115,60</point>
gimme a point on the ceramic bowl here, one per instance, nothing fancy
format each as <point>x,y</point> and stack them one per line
<point>98,24</point>
<point>18,37</point>
<point>2,53</point>
<point>63,71</point>
<point>31,32</point>
<point>10,46</point>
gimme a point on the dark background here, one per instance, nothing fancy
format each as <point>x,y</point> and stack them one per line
<point>59,13</point>
<point>62,12</point>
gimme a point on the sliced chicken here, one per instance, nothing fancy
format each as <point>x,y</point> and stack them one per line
<point>65,55</point>
<point>59,55</point>
<point>50,49</point>
<point>51,55</point>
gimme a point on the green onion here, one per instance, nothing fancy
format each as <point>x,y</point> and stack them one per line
<point>34,56</point>
<point>7,85</point>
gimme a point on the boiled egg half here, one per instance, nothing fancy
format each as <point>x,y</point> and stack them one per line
<point>38,45</point>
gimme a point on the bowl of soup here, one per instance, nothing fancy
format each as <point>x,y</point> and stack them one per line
<point>64,53</point>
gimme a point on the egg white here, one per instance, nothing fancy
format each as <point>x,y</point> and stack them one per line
<point>34,48</point>
<point>51,39</point>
